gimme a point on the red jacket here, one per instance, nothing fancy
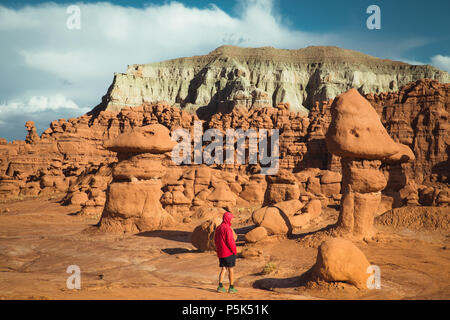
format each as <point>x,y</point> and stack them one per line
<point>224,238</point>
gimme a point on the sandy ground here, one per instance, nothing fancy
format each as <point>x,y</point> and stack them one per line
<point>39,239</point>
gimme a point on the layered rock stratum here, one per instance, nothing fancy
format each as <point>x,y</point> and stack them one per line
<point>232,75</point>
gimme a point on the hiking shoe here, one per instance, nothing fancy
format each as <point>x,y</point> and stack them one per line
<point>232,290</point>
<point>221,289</point>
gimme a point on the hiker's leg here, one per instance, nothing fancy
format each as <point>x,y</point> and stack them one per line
<point>231,275</point>
<point>221,274</point>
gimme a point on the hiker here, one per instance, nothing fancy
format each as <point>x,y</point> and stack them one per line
<point>226,251</point>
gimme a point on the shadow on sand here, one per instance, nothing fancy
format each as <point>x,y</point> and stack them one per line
<point>299,236</point>
<point>179,250</point>
<point>283,283</point>
<point>175,235</point>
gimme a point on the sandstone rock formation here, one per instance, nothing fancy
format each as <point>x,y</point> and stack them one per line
<point>53,162</point>
<point>133,198</point>
<point>281,218</point>
<point>256,234</point>
<point>339,260</point>
<point>310,211</point>
<point>233,76</point>
<point>357,135</point>
<point>32,135</point>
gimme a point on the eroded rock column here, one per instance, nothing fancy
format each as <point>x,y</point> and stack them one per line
<point>362,182</point>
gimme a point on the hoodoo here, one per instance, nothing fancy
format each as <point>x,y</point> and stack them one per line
<point>357,135</point>
<point>133,198</point>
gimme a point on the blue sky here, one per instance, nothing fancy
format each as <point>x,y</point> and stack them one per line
<point>52,72</point>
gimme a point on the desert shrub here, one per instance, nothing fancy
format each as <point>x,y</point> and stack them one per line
<point>270,267</point>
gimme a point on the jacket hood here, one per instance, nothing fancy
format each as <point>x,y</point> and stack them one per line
<point>227,216</point>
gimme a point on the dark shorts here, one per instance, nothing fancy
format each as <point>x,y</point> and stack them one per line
<point>228,262</point>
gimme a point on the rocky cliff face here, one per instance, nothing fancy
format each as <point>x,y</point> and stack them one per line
<point>253,77</point>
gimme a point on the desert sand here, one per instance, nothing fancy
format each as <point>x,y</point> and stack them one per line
<point>39,239</point>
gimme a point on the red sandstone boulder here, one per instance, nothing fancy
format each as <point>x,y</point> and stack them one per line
<point>254,190</point>
<point>339,260</point>
<point>329,177</point>
<point>366,180</point>
<point>153,139</point>
<point>79,198</point>
<point>357,131</point>
<point>134,207</point>
<point>310,211</point>
<point>222,196</point>
<point>256,234</point>
<point>142,167</point>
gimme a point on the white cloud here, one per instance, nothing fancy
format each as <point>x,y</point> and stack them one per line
<point>441,62</point>
<point>38,104</point>
<point>71,64</point>
<point>12,19</point>
<point>41,109</point>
